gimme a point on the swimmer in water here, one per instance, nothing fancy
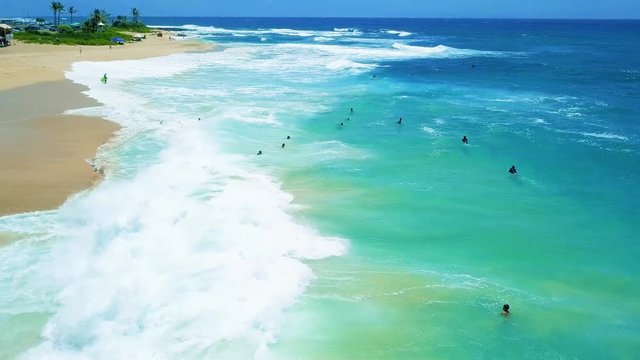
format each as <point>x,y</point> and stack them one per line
<point>505,310</point>
<point>259,152</point>
<point>513,170</point>
<point>399,122</point>
<point>341,124</point>
<point>374,76</point>
<point>282,146</point>
<point>288,137</point>
<point>351,111</point>
<point>465,140</point>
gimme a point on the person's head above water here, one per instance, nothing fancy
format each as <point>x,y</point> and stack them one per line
<point>288,137</point>
<point>282,145</point>
<point>505,308</point>
<point>259,152</point>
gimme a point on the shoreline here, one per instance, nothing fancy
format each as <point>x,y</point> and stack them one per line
<point>43,152</point>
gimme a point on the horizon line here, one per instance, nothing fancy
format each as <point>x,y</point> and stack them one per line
<point>8,17</point>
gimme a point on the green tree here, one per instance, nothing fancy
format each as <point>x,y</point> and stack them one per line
<point>57,9</point>
<point>54,8</point>
<point>71,11</point>
<point>60,10</point>
<point>135,14</point>
<point>96,17</point>
<point>120,21</point>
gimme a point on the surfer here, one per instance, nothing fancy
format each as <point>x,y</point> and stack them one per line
<point>505,310</point>
<point>259,152</point>
<point>399,122</point>
<point>465,140</point>
<point>513,170</point>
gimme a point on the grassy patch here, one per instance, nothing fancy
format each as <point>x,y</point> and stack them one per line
<point>70,38</point>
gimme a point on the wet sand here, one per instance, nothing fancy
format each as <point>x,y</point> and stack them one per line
<point>43,154</point>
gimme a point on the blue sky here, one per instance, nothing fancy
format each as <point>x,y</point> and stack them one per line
<point>628,9</point>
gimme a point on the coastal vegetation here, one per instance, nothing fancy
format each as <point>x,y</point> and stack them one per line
<point>97,29</point>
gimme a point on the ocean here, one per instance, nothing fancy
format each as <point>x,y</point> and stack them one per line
<point>359,238</point>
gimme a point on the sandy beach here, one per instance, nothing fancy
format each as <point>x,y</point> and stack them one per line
<point>42,152</point>
<point>24,64</point>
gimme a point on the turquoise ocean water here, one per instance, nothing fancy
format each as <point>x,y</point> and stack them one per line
<point>367,240</point>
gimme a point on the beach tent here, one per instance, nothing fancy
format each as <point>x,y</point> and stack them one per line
<point>5,30</point>
<point>6,34</point>
<point>117,40</point>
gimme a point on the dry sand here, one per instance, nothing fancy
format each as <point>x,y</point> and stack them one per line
<point>43,153</point>
<point>24,64</point>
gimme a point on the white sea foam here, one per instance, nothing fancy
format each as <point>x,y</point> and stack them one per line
<point>347,64</point>
<point>364,54</point>
<point>605,136</point>
<point>322,39</point>
<point>297,57</point>
<point>174,263</point>
<point>429,130</point>
<point>399,33</point>
<point>216,31</point>
<point>195,255</point>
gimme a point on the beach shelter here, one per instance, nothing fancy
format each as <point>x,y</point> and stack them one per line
<point>5,30</point>
<point>6,33</point>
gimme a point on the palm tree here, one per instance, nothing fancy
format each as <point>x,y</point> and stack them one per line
<point>60,10</point>
<point>54,7</point>
<point>57,8</point>
<point>71,11</point>
<point>135,14</point>
<point>96,17</point>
